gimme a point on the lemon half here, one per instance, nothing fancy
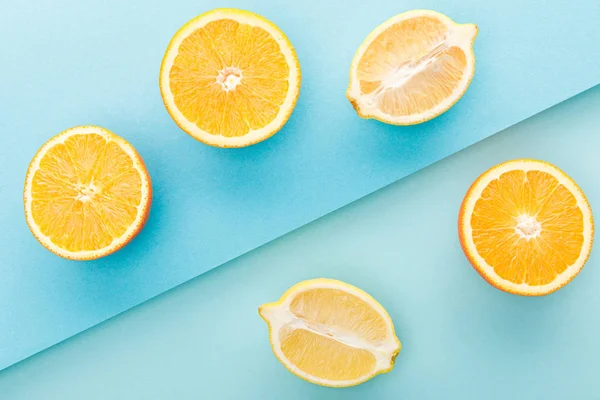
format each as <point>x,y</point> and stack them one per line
<point>331,333</point>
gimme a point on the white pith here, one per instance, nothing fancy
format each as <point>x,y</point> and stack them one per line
<point>254,135</point>
<point>86,193</point>
<point>229,78</point>
<point>528,222</point>
<point>528,227</point>
<point>279,316</point>
<point>459,35</point>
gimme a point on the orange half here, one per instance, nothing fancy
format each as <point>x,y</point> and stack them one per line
<point>526,227</point>
<point>87,193</point>
<point>230,78</point>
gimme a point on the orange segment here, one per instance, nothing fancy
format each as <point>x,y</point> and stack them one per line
<point>526,227</point>
<point>331,333</point>
<point>412,68</point>
<point>87,193</point>
<point>230,78</point>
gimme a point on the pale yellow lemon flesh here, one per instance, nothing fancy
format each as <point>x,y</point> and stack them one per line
<point>331,333</point>
<point>412,68</point>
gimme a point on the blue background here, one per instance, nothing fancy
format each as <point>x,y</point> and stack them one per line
<point>462,339</point>
<point>68,62</point>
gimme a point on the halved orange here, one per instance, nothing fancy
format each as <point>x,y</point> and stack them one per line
<point>230,78</point>
<point>331,333</point>
<point>526,227</point>
<point>87,193</point>
<point>412,68</point>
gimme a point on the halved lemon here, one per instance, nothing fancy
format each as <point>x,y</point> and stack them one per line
<point>526,227</point>
<point>412,68</point>
<point>230,78</point>
<point>331,333</point>
<point>87,193</point>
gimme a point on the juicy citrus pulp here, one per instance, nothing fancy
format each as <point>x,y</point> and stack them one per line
<point>331,333</point>
<point>87,193</point>
<point>526,227</point>
<point>230,78</point>
<point>412,68</point>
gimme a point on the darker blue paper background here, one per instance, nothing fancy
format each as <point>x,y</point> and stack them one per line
<point>68,62</point>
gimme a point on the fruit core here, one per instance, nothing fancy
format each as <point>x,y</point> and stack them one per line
<point>229,78</point>
<point>528,227</point>
<point>87,192</point>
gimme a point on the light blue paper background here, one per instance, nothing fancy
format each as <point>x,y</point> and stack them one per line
<point>69,62</point>
<point>462,339</point>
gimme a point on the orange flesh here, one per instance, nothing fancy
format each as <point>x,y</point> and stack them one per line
<point>409,68</point>
<point>85,193</point>
<point>332,316</point>
<point>519,195</point>
<point>252,61</point>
